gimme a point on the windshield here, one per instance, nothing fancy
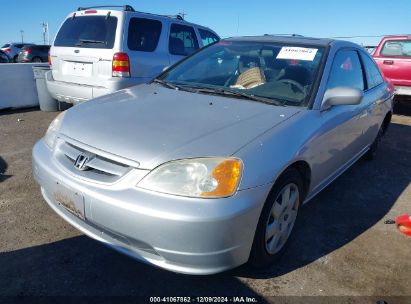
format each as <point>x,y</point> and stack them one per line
<point>88,32</point>
<point>274,71</point>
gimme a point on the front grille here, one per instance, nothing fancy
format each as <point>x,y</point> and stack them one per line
<point>98,168</point>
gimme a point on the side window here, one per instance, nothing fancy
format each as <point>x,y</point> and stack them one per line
<point>207,37</point>
<point>143,34</point>
<point>183,40</point>
<point>374,77</point>
<point>346,71</point>
<point>397,48</point>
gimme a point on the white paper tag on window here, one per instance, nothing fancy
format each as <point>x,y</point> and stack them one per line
<point>298,53</point>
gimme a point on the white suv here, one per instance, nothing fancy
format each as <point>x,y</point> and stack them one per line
<point>98,51</point>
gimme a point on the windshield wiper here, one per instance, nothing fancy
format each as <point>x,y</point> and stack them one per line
<point>228,92</point>
<point>84,41</point>
<point>172,86</point>
<point>252,97</point>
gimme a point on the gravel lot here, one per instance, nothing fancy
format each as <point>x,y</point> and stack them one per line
<point>343,246</point>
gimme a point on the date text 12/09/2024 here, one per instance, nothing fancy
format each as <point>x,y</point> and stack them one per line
<point>239,299</point>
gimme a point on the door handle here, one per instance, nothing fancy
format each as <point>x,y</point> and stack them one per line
<point>363,114</point>
<point>389,62</point>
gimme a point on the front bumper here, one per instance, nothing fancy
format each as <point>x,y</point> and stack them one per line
<point>186,235</point>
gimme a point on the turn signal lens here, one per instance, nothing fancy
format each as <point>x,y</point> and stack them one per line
<point>226,175</point>
<point>121,65</point>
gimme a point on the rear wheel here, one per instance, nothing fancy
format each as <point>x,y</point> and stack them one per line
<point>36,59</point>
<point>277,219</point>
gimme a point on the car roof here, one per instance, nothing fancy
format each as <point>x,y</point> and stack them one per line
<point>286,39</point>
<point>398,37</point>
<point>175,18</point>
<point>319,42</point>
<point>36,45</point>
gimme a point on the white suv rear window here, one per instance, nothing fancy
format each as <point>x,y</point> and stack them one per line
<point>88,32</point>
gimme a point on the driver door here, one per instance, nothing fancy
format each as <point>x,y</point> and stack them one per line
<point>341,127</point>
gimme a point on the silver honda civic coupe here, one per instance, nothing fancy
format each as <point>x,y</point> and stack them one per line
<point>205,168</point>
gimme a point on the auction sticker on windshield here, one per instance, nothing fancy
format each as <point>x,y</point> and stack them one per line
<point>298,53</point>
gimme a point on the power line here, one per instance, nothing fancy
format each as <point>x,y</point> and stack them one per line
<point>368,36</point>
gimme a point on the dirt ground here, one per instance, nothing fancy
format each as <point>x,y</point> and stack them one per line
<point>342,248</point>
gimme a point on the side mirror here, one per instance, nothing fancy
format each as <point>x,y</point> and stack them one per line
<point>341,96</point>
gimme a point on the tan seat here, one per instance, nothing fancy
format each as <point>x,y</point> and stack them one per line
<point>250,78</point>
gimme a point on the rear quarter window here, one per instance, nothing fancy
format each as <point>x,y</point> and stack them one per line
<point>396,48</point>
<point>143,34</point>
<point>88,32</point>
<point>207,37</point>
<point>183,40</point>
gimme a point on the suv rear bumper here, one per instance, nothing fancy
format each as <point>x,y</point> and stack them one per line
<point>75,93</point>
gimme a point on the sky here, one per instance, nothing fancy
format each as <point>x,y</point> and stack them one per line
<point>315,18</point>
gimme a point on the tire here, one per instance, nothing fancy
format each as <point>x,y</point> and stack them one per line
<point>372,152</point>
<point>15,59</point>
<point>269,246</point>
<point>36,59</point>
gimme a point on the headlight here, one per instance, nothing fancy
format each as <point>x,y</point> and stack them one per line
<point>54,128</point>
<point>200,177</point>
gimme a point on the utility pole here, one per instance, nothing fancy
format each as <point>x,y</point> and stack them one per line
<point>183,15</point>
<point>22,34</point>
<point>48,34</point>
<point>45,27</point>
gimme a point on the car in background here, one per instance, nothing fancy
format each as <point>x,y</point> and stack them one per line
<point>4,58</point>
<point>393,56</point>
<point>34,53</point>
<point>99,51</point>
<point>13,48</point>
<point>206,167</point>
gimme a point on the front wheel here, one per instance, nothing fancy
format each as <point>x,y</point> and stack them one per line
<point>277,219</point>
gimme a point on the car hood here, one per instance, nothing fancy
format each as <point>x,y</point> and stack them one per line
<point>150,124</point>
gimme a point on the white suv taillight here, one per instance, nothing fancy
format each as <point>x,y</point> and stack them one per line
<point>121,65</point>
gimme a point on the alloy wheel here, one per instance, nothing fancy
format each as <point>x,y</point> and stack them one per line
<point>282,218</point>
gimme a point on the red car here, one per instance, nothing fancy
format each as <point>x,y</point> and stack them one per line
<point>393,56</point>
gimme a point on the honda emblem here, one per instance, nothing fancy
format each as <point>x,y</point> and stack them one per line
<point>81,162</point>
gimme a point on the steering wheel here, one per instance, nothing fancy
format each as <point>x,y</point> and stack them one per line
<point>294,83</point>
